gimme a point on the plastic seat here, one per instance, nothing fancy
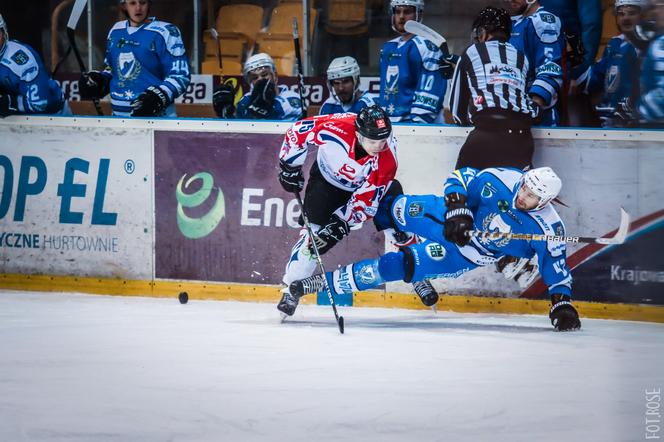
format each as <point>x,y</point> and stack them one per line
<point>231,67</point>
<point>237,26</point>
<point>277,40</point>
<point>347,17</point>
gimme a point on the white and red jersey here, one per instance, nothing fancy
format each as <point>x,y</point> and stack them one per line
<point>334,135</point>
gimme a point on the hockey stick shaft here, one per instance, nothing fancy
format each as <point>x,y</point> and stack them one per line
<point>76,12</point>
<point>618,238</point>
<point>307,225</point>
<point>300,73</point>
<point>217,39</point>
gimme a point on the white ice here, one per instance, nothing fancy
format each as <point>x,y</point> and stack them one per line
<point>96,368</point>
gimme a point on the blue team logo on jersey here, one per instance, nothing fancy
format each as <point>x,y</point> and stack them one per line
<point>488,191</point>
<point>20,57</point>
<point>173,30</point>
<point>436,251</point>
<point>415,209</point>
<point>548,18</point>
<point>612,79</point>
<point>503,206</point>
<point>391,79</point>
<point>128,67</point>
<point>366,274</point>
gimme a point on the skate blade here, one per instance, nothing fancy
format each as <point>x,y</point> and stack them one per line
<point>283,316</point>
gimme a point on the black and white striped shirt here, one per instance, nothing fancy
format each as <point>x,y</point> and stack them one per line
<point>490,75</point>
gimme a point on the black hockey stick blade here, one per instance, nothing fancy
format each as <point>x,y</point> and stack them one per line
<point>340,322</point>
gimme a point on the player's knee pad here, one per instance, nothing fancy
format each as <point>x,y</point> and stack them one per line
<point>362,275</point>
<point>392,267</point>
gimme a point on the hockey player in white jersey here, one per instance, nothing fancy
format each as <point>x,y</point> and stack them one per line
<point>146,65</point>
<point>25,85</point>
<point>412,86</point>
<point>343,82</point>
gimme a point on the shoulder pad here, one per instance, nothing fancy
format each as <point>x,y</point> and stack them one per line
<point>171,35</point>
<point>509,177</point>
<point>19,59</point>
<point>367,98</point>
<point>121,25</point>
<point>429,53</point>
<point>286,93</point>
<point>547,26</point>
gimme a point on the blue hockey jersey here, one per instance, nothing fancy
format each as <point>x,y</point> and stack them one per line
<point>616,75</point>
<point>286,107</point>
<point>651,105</point>
<point>491,195</point>
<point>582,18</point>
<point>411,86</point>
<point>23,75</point>
<point>333,106</point>
<point>539,37</point>
<point>152,54</point>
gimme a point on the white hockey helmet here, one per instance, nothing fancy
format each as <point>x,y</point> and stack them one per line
<point>343,67</point>
<point>544,183</point>
<point>643,4</point>
<point>256,61</point>
<point>417,4</point>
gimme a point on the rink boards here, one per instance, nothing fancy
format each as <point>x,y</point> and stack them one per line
<point>146,207</point>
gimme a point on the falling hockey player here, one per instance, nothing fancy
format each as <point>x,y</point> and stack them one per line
<point>495,199</point>
<point>354,169</point>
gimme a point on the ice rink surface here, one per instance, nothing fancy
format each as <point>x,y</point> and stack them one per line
<point>97,368</point>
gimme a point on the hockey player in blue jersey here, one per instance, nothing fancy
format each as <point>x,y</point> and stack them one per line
<point>537,33</point>
<point>146,65</point>
<point>266,99</point>
<point>616,76</point>
<point>343,81</point>
<point>25,85</point>
<point>412,87</point>
<point>493,200</point>
<point>648,111</point>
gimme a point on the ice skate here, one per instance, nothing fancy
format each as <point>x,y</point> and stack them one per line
<point>426,292</point>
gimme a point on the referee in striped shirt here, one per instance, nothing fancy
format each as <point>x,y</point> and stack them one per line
<point>489,92</point>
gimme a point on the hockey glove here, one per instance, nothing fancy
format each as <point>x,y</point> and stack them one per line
<point>8,105</point>
<point>290,177</point>
<point>447,65</point>
<point>223,101</point>
<point>262,98</point>
<point>151,103</point>
<point>330,234</point>
<point>563,315</point>
<point>625,115</point>
<point>458,219</point>
<point>93,85</point>
<point>575,51</point>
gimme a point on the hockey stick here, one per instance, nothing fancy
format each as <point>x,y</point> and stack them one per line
<point>300,74</point>
<point>215,35</point>
<point>618,238</point>
<point>75,16</point>
<point>417,28</point>
<point>340,319</point>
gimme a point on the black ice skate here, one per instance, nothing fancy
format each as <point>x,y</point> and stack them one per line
<point>288,303</point>
<point>426,292</point>
<point>312,284</point>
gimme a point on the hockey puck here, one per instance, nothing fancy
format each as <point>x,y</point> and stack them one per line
<point>183,297</point>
